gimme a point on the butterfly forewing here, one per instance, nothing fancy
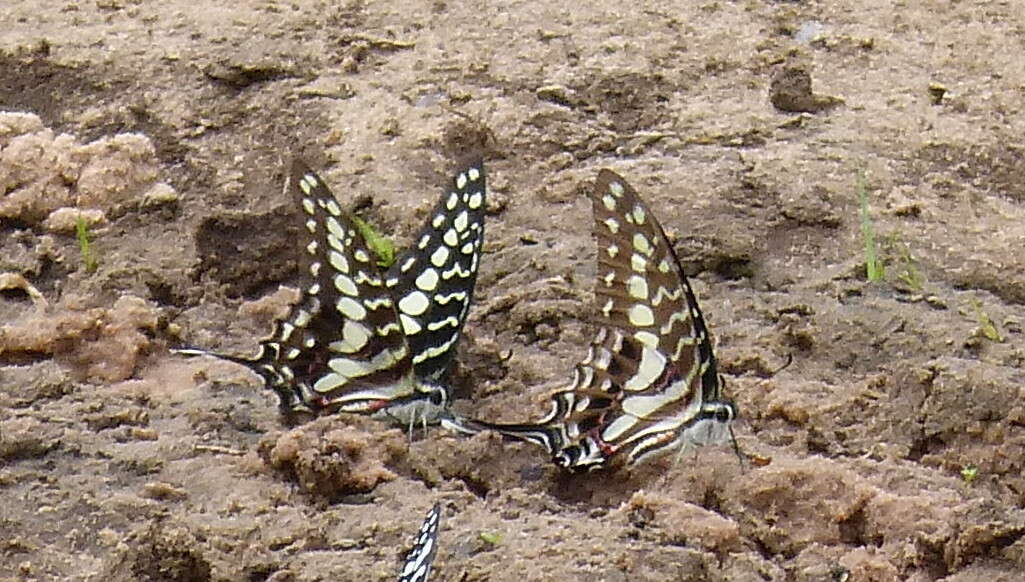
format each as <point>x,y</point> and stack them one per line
<point>641,286</point>
<point>351,336</point>
<point>417,567</point>
<point>433,281</point>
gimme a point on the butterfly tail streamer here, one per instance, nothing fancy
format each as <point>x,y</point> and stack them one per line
<point>549,436</point>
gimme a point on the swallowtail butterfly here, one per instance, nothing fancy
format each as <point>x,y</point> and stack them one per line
<point>649,382</point>
<point>363,341</point>
<point>417,567</point>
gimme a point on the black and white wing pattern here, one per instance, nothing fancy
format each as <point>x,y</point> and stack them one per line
<point>362,341</point>
<point>434,280</point>
<point>417,567</point>
<point>649,383</point>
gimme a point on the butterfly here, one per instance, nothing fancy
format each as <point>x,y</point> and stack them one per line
<point>649,382</point>
<point>365,341</point>
<point>417,567</point>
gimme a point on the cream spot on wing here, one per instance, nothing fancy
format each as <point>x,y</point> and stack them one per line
<point>335,228</point>
<point>609,202</point>
<point>453,201</point>
<point>355,335</point>
<point>333,208</point>
<point>308,206</point>
<point>361,256</point>
<point>451,238</point>
<point>439,257</point>
<point>647,338</point>
<point>607,308</point>
<point>613,250</point>
<point>460,181</point>
<point>641,315</point>
<point>474,174</point>
<point>423,242</point>
<point>346,285</point>
<point>641,244</point>
<point>637,286</point>
<point>410,326</point>
<point>428,280</point>
<point>649,369</point>
<point>617,189</point>
<point>351,308</point>
<point>438,221</point>
<point>311,225</point>
<point>448,321</point>
<point>461,221</point>
<point>638,214</point>
<point>444,299</point>
<point>612,224</point>
<point>415,303</point>
<point>338,261</point>
<point>457,269</point>
<point>618,427</point>
<point>375,304</point>
<point>609,278</point>
<point>476,199</point>
<point>638,263</point>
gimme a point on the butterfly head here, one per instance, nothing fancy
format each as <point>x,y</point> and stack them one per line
<point>712,425</point>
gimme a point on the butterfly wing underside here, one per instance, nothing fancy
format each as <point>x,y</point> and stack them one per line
<point>343,343</point>
<point>433,281</point>
<point>361,341</point>
<point>649,378</point>
<point>641,286</point>
<point>417,566</point>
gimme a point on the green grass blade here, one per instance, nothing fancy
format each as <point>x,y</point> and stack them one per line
<point>381,246</point>
<point>873,266</point>
<point>82,234</point>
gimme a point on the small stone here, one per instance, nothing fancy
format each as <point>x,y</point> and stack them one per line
<point>159,194</point>
<point>936,93</point>
<point>66,219</point>
<point>790,91</point>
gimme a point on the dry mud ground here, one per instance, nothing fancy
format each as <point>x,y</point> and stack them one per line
<point>890,449</point>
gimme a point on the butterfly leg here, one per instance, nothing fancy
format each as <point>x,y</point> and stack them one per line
<point>736,449</point>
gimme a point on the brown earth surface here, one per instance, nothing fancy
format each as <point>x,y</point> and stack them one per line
<point>891,448</point>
